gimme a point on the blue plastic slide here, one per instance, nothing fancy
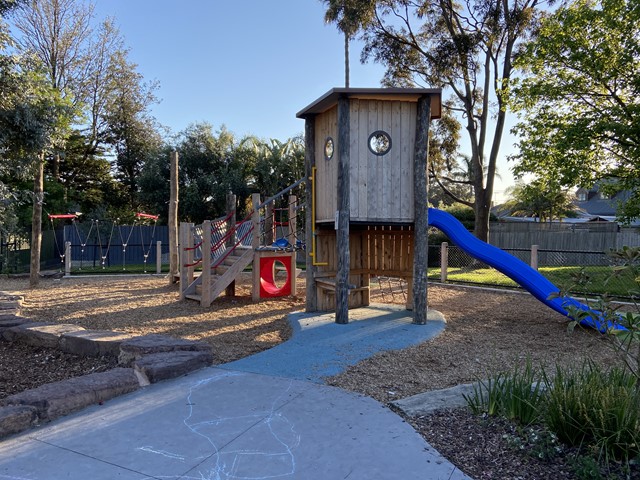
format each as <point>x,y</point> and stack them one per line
<point>512,267</point>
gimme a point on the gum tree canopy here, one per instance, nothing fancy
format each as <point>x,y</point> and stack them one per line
<point>466,48</point>
<point>579,106</point>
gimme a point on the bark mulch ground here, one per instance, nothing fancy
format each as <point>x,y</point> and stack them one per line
<point>487,332</point>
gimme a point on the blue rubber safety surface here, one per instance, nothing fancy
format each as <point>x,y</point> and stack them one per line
<point>319,347</point>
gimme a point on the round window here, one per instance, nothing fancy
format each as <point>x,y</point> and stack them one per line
<point>328,148</point>
<point>379,142</point>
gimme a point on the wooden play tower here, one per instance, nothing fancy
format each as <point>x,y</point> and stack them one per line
<point>366,168</point>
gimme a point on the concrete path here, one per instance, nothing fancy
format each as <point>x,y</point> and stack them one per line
<point>224,423</point>
<point>319,347</point>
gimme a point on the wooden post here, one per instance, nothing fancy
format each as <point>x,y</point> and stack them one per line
<point>230,291</point>
<point>159,257</point>
<point>205,297</point>
<point>292,224</point>
<point>67,258</point>
<point>174,256</point>
<point>269,223</point>
<point>342,234</point>
<point>186,257</point>
<point>420,208</point>
<point>291,236</point>
<point>444,261</point>
<point>255,243</point>
<point>311,304</point>
<point>534,257</point>
<point>255,220</point>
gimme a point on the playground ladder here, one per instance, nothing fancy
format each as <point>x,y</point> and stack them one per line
<point>227,248</point>
<point>237,259</point>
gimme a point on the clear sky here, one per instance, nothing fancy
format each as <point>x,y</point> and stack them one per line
<point>250,64</point>
<point>247,64</point>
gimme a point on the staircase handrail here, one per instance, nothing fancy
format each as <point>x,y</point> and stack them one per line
<point>280,194</point>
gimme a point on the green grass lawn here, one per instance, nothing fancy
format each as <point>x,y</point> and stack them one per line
<point>600,281</point>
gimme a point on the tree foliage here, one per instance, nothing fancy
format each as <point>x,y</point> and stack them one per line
<point>579,106</point>
<point>32,116</point>
<point>540,199</point>
<point>466,48</point>
<point>215,163</point>
<point>131,130</point>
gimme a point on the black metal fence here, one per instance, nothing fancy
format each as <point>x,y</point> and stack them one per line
<point>14,255</point>
<point>113,247</point>
<point>109,248</point>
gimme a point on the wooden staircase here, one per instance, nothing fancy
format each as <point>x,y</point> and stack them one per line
<point>222,275</point>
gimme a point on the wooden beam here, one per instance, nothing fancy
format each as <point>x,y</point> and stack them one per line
<point>205,299</point>
<point>186,257</point>
<point>420,186</point>
<point>174,256</point>
<point>310,162</point>
<point>230,290</point>
<point>291,235</point>
<point>344,257</point>
<point>255,220</point>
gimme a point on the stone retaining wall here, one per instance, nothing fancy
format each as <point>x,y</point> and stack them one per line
<point>141,361</point>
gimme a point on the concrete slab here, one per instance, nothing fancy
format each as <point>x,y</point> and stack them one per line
<point>22,332</point>
<point>320,347</point>
<point>8,321</point>
<point>219,424</point>
<point>38,465</point>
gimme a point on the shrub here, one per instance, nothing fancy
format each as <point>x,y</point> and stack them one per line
<point>595,408</point>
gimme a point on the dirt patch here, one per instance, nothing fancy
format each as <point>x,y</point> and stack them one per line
<point>25,367</point>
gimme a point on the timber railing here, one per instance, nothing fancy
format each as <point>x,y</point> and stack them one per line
<point>276,222</point>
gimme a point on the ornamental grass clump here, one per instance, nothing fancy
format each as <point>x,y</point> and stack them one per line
<point>593,409</point>
<point>597,409</point>
<point>517,395</point>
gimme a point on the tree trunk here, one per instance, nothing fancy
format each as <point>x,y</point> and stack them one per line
<point>481,225</point>
<point>346,60</point>
<point>36,223</point>
<point>56,167</point>
<point>420,196</point>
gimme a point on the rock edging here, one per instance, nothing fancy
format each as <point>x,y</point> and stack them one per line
<point>142,361</point>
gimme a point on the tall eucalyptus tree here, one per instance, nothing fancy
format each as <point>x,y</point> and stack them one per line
<point>466,48</point>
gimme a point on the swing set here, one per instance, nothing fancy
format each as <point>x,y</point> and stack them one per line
<point>95,248</point>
